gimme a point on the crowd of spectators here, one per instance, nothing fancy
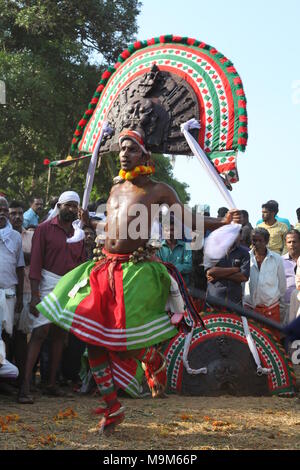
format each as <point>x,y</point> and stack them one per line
<point>260,271</point>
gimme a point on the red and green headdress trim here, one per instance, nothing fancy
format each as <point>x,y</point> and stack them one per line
<point>214,79</point>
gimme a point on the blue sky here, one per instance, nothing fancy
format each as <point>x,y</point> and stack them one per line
<point>262,39</point>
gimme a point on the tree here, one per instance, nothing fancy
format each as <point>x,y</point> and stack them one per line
<point>48,55</point>
<point>47,61</point>
<point>164,172</point>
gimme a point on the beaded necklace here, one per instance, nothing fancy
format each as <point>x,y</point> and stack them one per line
<point>137,171</point>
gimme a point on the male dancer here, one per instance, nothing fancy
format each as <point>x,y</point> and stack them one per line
<point>118,304</point>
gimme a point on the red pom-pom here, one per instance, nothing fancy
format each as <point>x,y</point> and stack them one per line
<point>106,75</point>
<point>77,132</point>
<point>125,54</point>
<point>191,41</point>
<point>74,141</point>
<point>151,42</point>
<point>237,81</point>
<point>137,45</point>
<point>231,69</point>
<point>100,88</point>
<point>82,122</point>
<point>94,100</point>
<point>47,162</point>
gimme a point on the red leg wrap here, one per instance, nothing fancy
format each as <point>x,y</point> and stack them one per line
<point>154,364</point>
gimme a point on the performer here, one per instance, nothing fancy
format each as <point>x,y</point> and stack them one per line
<point>118,304</point>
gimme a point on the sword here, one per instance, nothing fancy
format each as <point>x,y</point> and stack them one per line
<point>252,314</point>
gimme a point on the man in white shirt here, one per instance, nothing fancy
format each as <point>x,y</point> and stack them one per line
<point>23,322</point>
<point>292,241</point>
<point>12,270</point>
<point>266,287</point>
<point>294,310</point>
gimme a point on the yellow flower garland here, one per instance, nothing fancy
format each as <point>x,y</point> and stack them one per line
<point>137,171</point>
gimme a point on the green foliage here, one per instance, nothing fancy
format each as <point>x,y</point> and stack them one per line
<point>164,172</point>
<point>48,51</point>
<point>47,55</point>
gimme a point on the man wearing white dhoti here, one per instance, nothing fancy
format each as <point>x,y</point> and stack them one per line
<point>7,370</point>
<point>12,271</point>
<point>52,256</point>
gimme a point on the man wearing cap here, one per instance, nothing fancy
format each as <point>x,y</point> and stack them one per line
<point>52,256</point>
<point>118,303</point>
<point>277,230</point>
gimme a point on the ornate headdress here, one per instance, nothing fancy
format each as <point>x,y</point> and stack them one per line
<point>162,83</point>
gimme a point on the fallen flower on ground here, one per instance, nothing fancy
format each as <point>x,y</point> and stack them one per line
<point>69,413</point>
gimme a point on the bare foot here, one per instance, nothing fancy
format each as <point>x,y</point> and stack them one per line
<point>108,425</point>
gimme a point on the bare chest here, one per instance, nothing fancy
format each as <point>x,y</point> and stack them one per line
<point>129,200</point>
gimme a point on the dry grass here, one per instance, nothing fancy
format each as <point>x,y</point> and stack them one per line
<point>183,423</point>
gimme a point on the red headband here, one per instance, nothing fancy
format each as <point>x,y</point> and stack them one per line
<point>135,136</point>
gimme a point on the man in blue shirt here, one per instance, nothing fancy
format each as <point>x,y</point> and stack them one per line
<point>226,278</point>
<point>32,215</point>
<point>176,251</point>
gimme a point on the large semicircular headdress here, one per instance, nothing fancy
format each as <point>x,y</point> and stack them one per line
<point>161,83</point>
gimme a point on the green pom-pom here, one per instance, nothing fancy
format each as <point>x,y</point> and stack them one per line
<point>131,48</point>
<point>218,56</point>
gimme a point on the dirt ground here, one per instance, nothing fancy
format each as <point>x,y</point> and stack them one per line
<point>174,423</point>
